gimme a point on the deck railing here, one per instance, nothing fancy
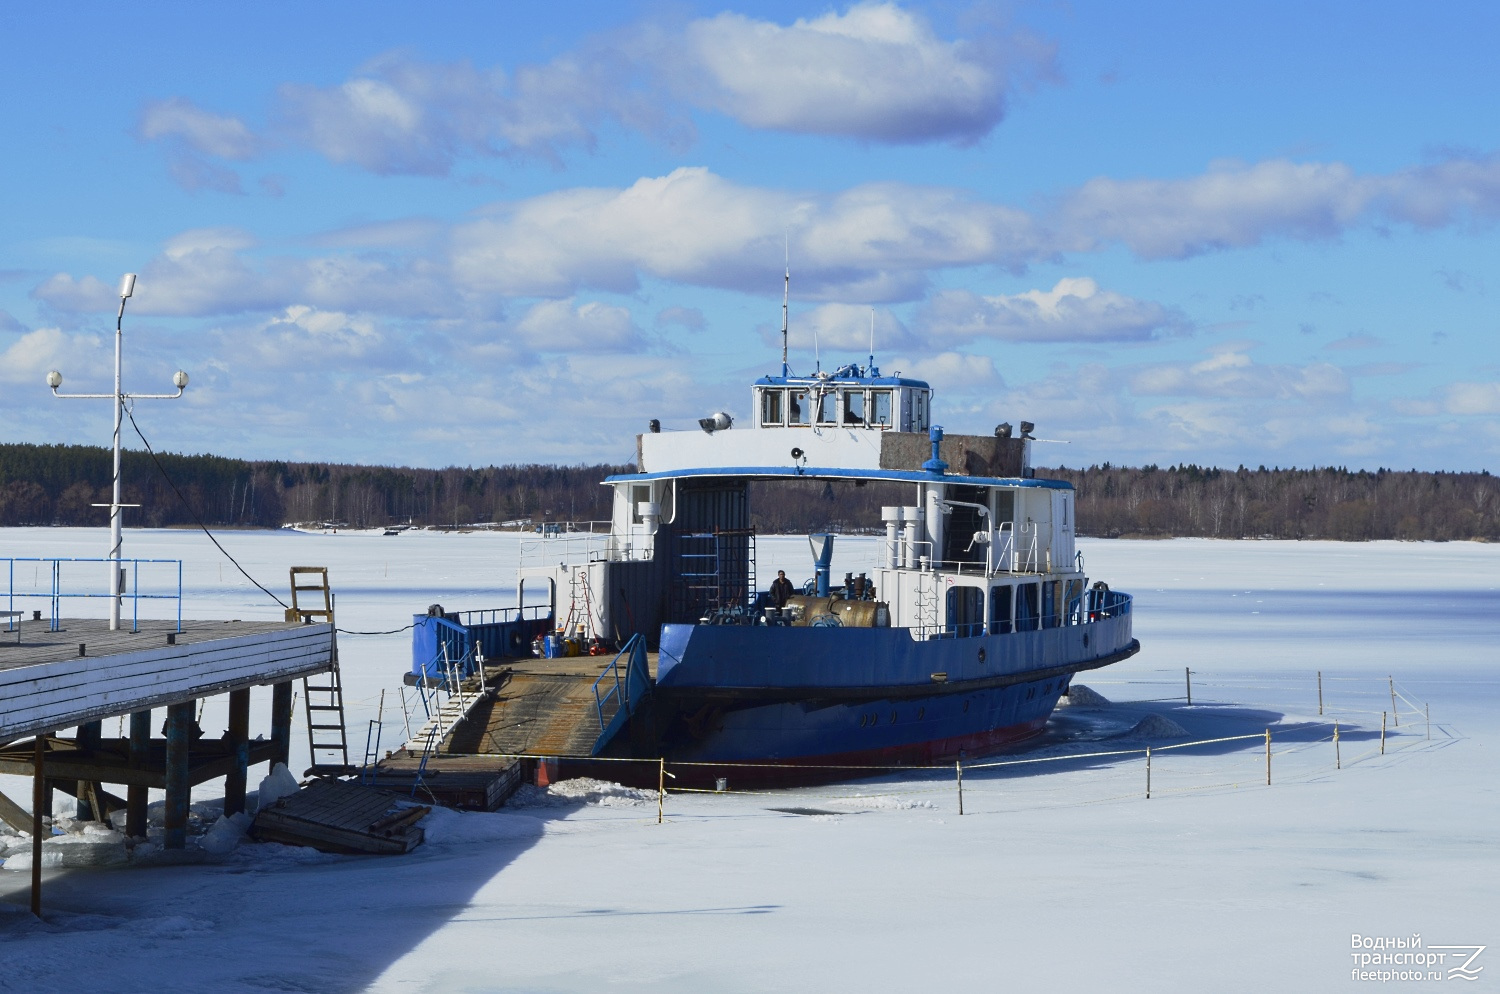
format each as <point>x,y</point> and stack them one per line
<point>56,594</point>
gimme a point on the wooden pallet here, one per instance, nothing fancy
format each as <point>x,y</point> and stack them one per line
<point>339,817</point>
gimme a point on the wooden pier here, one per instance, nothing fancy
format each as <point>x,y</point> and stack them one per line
<point>79,673</point>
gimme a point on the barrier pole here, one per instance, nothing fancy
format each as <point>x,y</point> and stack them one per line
<point>1395,714</point>
<point>1148,773</point>
<point>1268,757</point>
<point>958,768</point>
<point>1427,710</point>
<point>1188,675</point>
<point>1382,733</point>
<point>1338,761</point>
<point>661,788</point>
<point>1320,693</point>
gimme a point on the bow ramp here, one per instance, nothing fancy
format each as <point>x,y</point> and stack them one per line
<point>502,714</point>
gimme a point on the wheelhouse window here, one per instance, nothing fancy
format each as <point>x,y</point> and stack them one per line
<point>881,408</point>
<point>854,407</point>
<point>797,410</point>
<point>770,408</point>
<point>828,408</point>
<point>919,415</point>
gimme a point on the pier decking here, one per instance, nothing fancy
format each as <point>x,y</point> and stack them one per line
<point>84,672</point>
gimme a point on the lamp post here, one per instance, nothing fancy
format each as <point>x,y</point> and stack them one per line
<point>180,381</point>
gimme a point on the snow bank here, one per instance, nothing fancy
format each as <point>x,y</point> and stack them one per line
<point>1155,726</point>
<point>582,790</point>
<point>444,826</point>
<point>1080,696</point>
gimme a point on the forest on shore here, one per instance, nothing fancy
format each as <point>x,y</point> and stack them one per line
<point>58,484</point>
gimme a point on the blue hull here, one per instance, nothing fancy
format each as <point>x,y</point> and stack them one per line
<point>865,695</point>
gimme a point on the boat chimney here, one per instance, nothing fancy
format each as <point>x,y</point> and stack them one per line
<point>892,518</point>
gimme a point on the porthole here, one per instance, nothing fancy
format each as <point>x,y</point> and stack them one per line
<point>893,717</point>
<point>981,654</point>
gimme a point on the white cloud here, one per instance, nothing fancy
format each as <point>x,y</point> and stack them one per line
<point>1472,398</point>
<point>218,135</point>
<point>957,373</point>
<point>302,336</point>
<point>563,326</point>
<point>841,330</point>
<point>28,359</point>
<point>690,318</point>
<point>1232,373</point>
<point>1074,310</point>
<point>874,242</point>
<point>875,72</point>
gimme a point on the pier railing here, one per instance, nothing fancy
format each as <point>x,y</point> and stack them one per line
<point>56,593</point>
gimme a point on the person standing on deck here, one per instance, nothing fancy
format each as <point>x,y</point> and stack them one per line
<point>781,589</point>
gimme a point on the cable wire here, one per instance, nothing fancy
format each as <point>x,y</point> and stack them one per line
<point>152,453</point>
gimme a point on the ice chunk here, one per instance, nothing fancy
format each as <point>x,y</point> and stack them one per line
<point>225,833</point>
<point>277,784</point>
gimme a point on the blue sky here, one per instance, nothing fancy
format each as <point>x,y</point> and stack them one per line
<point>474,233</point>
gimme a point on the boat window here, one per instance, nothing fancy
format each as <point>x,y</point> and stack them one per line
<point>1027,597</point>
<point>828,408</point>
<point>854,407</point>
<point>1000,623</point>
<point>965,612</point>
<point>919,417</point>
<point>1050,616</point>
<point>770,408</point>
<point>881,407</point>
<point>640,493</point>
<point>1075,603</point>
<point>797,409</point>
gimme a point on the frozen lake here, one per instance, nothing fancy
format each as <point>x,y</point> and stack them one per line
<point>1060,875</point>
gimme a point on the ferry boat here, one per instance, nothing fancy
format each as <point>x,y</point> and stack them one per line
<point>958,639</point>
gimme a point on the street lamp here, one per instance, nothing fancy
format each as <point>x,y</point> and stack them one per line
<point>180,381</point>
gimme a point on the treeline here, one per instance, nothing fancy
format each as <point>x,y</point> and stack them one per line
<point>1328,503</point>
<point>58,484</point>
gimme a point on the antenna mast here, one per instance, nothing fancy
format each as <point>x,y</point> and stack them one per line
<point>872,338</point>
<point>786,293</point>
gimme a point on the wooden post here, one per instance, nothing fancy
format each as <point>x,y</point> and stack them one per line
<point>1382,733</point>
<point>661,788</point>
<point>140,753</point>
<point>958,768</point>
<point>239,740</point>
<point>1148,773</point>
<point>1395,715</point>
<point>1320,693</point>
<point>1268,757</point>
<point>90,734</point>
<point>179,737</point>
<point>38,806</point>
<point>1188,675</point>
<point>281,724</point>
<point>1338,761</point>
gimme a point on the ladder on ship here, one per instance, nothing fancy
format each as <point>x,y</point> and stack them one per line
<point>328,742</point>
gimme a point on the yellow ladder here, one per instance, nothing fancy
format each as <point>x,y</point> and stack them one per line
<point>328,743</point>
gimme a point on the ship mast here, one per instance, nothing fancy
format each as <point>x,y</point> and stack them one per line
<point>786,292</point>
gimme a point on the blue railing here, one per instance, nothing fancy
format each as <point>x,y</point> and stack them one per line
<point>625,692</point>
<point>55,594</point>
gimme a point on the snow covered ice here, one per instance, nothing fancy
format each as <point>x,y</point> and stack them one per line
<point>1059,876</point>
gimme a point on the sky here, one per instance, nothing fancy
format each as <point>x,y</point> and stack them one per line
<point>475,233</point>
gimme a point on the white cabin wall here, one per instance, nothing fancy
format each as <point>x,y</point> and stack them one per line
<point>1062,529</point>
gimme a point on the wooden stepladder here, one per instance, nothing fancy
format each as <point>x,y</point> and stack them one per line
<point>326,738</point>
